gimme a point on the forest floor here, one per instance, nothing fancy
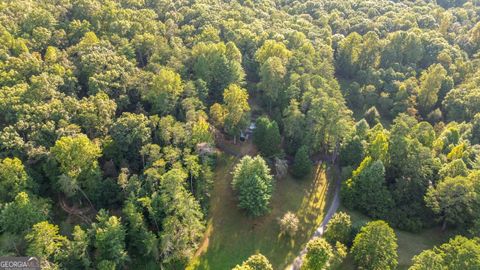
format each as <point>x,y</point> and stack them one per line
<point>409,244</point>
<point>232,236</point>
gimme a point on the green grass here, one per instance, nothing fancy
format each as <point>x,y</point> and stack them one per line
<point>409,244</point>
<point>232,236</point>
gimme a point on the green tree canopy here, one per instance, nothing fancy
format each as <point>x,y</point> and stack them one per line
<point>272,48</point>
<point>266,136</point>
<point>109,239</point>
<point>367,190</point>
<point>76,157</point>
<point>272,74</point>
<point>430,84</point>
<point>164,91</point>
<point>140,241</point>
<point>318,256</point>
<point>254,185</point>
<point>302,164</point>
<point>218,65</point>
<point>339,229</point>
<point>458,253</point>
<point>75,254</point>
<point>255,262</point>
<point>293,126</point>
<point>375,246</point>
<point>44,240</point>
<point>454,200</point>
<point>22,213</point>
<point>95,114</point>
<point>183,225</point>
<point>236,109</point>
<point>129,133</point>
<point>13,178</point>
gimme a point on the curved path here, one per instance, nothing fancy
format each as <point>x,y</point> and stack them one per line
<point>297,263</point>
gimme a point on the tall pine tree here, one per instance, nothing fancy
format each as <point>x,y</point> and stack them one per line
<point>267,137</point>
<point>302,165</point>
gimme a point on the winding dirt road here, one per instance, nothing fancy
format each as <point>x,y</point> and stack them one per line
<point>297,263</point>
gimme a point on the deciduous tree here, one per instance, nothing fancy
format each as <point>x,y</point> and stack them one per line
<point>164,91</point>
<point>453,200</point>
<point>76,157</point>
<point>22,213</point>
<point>129,133</point>
<point>375,247</point>
<point>44,240</point>
<point>339,229</point>
<point>457,254</point>
<point>289,224</point>
<point>430,84</point>
<point>13,178</point>
<point>255,262</point>
<point>236,108</point>
<point>319,254</point>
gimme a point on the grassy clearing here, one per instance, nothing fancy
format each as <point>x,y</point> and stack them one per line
<point>232,236</point>
<point>409,244</point>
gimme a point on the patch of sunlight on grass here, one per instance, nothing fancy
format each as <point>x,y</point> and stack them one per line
<point>314,201</point>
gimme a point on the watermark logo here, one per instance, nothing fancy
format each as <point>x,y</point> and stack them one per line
<point>19,263</point>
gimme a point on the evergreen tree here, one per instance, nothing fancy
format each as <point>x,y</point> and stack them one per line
<point>352,152</point>
<point>76,252</point>
<point>302,165</point>
<point>267,137</point>
<point>140,241</point>
<point>273,140</point>
<point>183,224</point>
<point>260,131</point>
<point>367,190</point>
<point>254,185</point>
<point>109,240</point>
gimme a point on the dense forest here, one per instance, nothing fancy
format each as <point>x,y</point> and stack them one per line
<point>112,113</point>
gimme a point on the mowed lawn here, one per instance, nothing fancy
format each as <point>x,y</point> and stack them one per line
<point>232,236</point>
<point>409,244</point>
